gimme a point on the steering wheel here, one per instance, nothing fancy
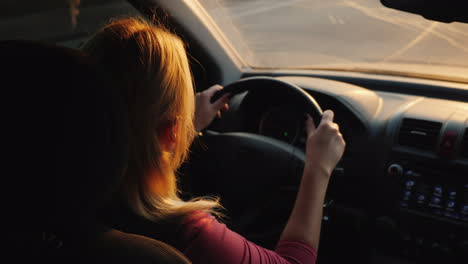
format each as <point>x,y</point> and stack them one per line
<point>255,176</point>
<point>303,99</point>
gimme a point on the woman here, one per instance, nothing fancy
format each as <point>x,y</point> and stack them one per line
<point>150,66</point>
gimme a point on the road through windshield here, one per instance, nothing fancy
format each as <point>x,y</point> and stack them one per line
<point>337,33</point>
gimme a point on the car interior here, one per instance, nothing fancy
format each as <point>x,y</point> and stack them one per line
<point>400,192</point>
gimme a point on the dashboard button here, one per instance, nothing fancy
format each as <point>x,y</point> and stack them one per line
<point>450,204</point>
<point>435,202</point>
<point>421,199</point>
<point>409,184</point>
<point>395,170</point>
<point>452,194</point>
<point>438,191</point>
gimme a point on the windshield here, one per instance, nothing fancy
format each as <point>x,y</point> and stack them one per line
<point>357,35</point>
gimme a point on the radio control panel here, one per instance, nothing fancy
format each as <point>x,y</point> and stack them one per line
<point>434,193</point>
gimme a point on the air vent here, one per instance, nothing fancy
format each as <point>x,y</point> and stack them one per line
<point>419,134</point>
<point>464,146</point>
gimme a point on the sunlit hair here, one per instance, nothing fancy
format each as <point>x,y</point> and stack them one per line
<point>150,65</point>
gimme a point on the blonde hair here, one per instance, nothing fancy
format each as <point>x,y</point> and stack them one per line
<point>150,66</point>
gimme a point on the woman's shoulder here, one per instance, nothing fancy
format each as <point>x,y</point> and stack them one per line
<point>197,220</point>
<point>197,217</point>
<point>196,224</point>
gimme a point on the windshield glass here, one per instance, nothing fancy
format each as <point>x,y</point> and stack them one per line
<point>355,35</point>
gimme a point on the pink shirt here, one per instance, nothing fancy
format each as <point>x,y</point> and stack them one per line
<point>205,240</point>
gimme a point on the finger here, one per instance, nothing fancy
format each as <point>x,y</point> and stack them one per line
<point>218,114</point>
<point>327,116</point>
<point>225,108</point>
<point>336,126</point>
<point>310,126</point>
<point>212,90</point>
<point>341,138</point>
<point>222,101</point>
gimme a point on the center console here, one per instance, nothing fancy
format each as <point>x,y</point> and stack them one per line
<point>430,192</point>
<point>432,218</point>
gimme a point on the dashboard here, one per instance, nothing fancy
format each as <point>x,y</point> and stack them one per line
<point>404,172</point>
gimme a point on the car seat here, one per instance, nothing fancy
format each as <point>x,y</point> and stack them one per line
<point>64,145</point>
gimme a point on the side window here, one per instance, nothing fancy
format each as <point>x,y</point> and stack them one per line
<point>65,22</point>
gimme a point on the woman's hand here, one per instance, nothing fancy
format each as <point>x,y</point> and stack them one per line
<point>205,111</point>
<point>325,144</point>
<point>324,148</point>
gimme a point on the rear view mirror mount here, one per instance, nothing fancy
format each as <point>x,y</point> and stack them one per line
<point>438,10</point>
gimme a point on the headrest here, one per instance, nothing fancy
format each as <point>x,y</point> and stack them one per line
<point>66,133</point>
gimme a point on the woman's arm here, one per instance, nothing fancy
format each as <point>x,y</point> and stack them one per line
<point>205,240</point>
<point>325,146</point>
